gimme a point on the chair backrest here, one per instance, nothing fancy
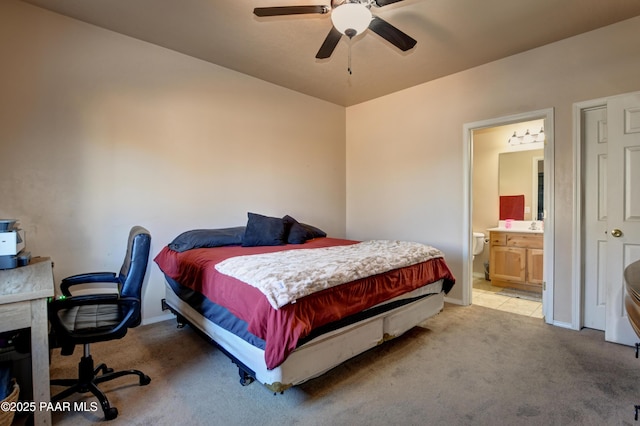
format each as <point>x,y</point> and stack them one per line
<point>135,262</point>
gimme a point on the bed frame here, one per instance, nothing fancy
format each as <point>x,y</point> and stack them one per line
<point>318,355</point>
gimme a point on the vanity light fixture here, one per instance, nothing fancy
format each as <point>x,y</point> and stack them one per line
<point>526,138</point>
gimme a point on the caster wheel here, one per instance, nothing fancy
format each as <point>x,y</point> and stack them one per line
<point>111,413</point>
<point>145,380</point>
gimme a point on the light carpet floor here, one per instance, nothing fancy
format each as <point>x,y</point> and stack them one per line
<point>466,366</point>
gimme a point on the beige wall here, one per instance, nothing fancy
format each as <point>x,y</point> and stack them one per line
<point>405,150</point>
<point>100,132</point>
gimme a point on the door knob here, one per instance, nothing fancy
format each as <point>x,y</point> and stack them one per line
<point>616,233</point>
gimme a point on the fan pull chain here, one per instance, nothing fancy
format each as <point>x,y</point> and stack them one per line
<point>350,32</point>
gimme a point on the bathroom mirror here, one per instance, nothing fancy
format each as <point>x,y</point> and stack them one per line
<point>522,172</point>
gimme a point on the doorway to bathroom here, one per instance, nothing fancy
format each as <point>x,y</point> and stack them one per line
<point>509,170</point>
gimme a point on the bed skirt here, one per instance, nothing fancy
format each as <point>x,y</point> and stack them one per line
<point>318,355</point>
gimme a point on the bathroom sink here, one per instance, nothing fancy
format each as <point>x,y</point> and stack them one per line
<point>535,226</point>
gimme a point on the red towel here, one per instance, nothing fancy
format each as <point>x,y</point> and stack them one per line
<point>512,207</point>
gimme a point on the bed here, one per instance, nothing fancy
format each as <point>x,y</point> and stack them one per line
<point>274,295</point>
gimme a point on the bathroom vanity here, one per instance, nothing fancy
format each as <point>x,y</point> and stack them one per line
<point>515,258</point>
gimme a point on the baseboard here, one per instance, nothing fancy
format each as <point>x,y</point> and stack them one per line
<point>564,325</point>
<point>453,301</point>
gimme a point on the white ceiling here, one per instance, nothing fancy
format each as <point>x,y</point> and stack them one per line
<point>452,35</point>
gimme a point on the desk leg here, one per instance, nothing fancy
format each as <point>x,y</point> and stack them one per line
<point>40,359</point>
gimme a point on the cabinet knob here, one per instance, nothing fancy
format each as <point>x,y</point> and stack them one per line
<point>616,233</point>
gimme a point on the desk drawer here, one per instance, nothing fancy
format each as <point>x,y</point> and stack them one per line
<point>15,316</point>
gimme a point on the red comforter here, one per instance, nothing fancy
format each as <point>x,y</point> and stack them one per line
<point>282,328</point>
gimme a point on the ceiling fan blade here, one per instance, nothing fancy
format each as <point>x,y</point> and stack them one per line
<point>391,34</point>
<point>290,10</point>
<point>381,3</point>
<point>329,44</point>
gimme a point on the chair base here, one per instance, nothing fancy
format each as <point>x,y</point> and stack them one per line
<point>89,377</point>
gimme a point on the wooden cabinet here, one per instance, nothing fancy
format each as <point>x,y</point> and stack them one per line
<point>508,264</point>
<point>515,260</point>
<point>534,266</point>
<point>23,303</point>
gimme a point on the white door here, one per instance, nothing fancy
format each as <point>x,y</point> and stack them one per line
<point>595,147</point>
<point>623,209</point>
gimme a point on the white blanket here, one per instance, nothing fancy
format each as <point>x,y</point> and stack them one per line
<point>285,276</point>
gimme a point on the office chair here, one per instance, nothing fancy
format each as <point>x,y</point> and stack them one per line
<point>88,318</point>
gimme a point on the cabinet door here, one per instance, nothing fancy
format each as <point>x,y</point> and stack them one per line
<point>534,266</point>
<point>508,263</point>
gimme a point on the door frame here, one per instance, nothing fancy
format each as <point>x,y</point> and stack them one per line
<point>534,189</point>
<point>467,148</point>
<point>577,287</point>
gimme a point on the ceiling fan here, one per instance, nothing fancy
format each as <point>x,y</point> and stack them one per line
<point>350,18</point>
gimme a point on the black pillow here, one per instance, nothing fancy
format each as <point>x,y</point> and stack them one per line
<point>298,234</point>
<point>301,232</point>
<point>264,231</point>
<point>314,232</point>
<point>205,238</point>
<point>288,223</point>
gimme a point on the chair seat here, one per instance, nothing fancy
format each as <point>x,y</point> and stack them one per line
<point>90,318</point>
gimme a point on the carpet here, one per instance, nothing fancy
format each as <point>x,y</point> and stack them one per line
<point>469,365</point>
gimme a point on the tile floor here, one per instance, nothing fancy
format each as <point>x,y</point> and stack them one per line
<point>484,294</point>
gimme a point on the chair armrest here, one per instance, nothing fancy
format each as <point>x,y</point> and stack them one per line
<point>85,299</point>
<point>129,303</point>
<point>92,277</point>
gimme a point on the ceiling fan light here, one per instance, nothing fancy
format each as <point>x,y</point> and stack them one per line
<point>351,16</point>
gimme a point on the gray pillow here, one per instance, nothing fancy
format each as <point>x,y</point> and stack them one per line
<point>264,231</point>
<point>206,238</point>
<point>299,233</point>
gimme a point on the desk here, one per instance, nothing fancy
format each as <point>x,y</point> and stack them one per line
<point>23,303</point>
